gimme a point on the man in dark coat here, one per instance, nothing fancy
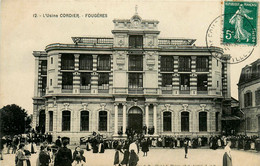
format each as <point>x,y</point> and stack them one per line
<point>58,142</point>
<point>186,147</point>
<point>64,155</point>
<point>44,157</point>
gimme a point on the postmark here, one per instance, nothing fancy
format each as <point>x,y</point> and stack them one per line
<point>234,32</point>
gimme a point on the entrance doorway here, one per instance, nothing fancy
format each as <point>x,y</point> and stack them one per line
<point>135,119</point>
<point>41,127</point>
<point>259,125</point>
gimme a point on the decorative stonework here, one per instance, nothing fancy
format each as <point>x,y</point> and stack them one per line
<point>120,59</point>
<point>103,105</point>
<point>203,106</point>
<point>66,105</point>
<point>185,107</point>
<point>84,105</point>
<point>150,61</point>
<point>167,106</point>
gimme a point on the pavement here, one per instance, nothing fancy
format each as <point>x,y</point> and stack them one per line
<point>163,157</point>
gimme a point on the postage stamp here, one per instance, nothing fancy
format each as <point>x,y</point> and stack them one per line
<point>240,23</point>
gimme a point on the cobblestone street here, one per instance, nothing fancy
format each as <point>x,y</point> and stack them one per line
<point>164,157</point>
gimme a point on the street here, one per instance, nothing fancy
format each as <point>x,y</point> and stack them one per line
<point>164,157</point>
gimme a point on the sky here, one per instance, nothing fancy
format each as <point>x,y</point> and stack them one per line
<point>21,33</point>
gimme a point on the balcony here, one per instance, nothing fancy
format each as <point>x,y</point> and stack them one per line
<point>182,69</point>
<point>167,89</point>
<point>184,89</point>
<point>202,69</point>
<point>104,88</point>
<point>135,90</point>
<point>85,88</point>
<point>202,90</point>
<point>93,40</point>
<point>67,88</point>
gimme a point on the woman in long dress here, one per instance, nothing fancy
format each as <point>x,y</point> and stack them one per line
<point>20,158</point>
<point>237,20</point>
<point>227,160</point>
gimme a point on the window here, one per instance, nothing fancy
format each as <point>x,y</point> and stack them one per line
<point>51,60</point>
<point>202,64</point>
<point>85,80</point>
<point>203,121</point>
<point>166,80</point>
<point>50,82</point>
<point>166,63</point>
<point>50,120</point>
<point>103,80</point>
<point>102,121</point>
<point>248,123</point>
<point>217,62</point>
<point>84,121</point>
<point>103,62</point>
<point>85,62</point>
<point>167,121</point>
<point>257,97</point>
<point>136,41</point>
<point>216,120</point>
<point>44,83</point>
<point>67,62</point>
<point>65,120</point>
<point>202,82</point>
<point>184,63</point>
<point>185,82</point>
<point>67,80</point>
<point>248,74</point>
<point>258,70</point>
<point>135,80</point>
<point>135,63</point>
<point>248,99</point>
<point>44,67</point>
<point>217,83</point>
<point>185,121</point>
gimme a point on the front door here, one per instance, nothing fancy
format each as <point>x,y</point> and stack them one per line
<point>135,119</point>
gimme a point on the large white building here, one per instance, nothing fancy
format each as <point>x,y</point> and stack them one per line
<point>132,79</point>
<point>249,98</point>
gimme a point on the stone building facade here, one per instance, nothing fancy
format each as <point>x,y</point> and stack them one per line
<point>127,81</point>
<point>249,98</point>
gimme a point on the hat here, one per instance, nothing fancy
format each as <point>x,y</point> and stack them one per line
<point>58,136</point>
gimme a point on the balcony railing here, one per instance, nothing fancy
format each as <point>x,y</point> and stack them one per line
<point>202,88</point>
<point>67,67</point>
<point>85,87</point>
<point>202,69</point>
<point>176,41</point>
<point>68,87</point>
<point>93,40</point>
<point>181,69</point>
<point>135,90</point>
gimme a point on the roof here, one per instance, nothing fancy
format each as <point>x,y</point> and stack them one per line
<point>230,117</point>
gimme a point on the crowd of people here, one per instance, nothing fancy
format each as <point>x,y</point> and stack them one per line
<point>56,153</point>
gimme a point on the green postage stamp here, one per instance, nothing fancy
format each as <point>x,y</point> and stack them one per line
<point>240,23</point>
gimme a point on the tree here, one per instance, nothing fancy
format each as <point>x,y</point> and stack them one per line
<point>13,120</point>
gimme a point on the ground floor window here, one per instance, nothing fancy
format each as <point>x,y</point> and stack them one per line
<point>50,120</point>
<point>217,118</point>
<point>102,121</point>
<point>84,121</point>
<point>185,121</point>
<point>203,121</point>
<point>65,120</point>
<point>167,121</point>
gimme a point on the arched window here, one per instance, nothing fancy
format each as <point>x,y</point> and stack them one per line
<point>65,120</point>
<point>102,121</point>
<point>50,120</point>
<point>203,121</point>
<point>167,121</point>
<point>185,121</point>
<point>84,121</point>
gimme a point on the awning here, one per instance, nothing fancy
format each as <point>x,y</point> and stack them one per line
<point>231,118</point>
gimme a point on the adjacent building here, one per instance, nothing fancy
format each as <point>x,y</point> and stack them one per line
<point>249,98</point>
<point>129,80</point>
